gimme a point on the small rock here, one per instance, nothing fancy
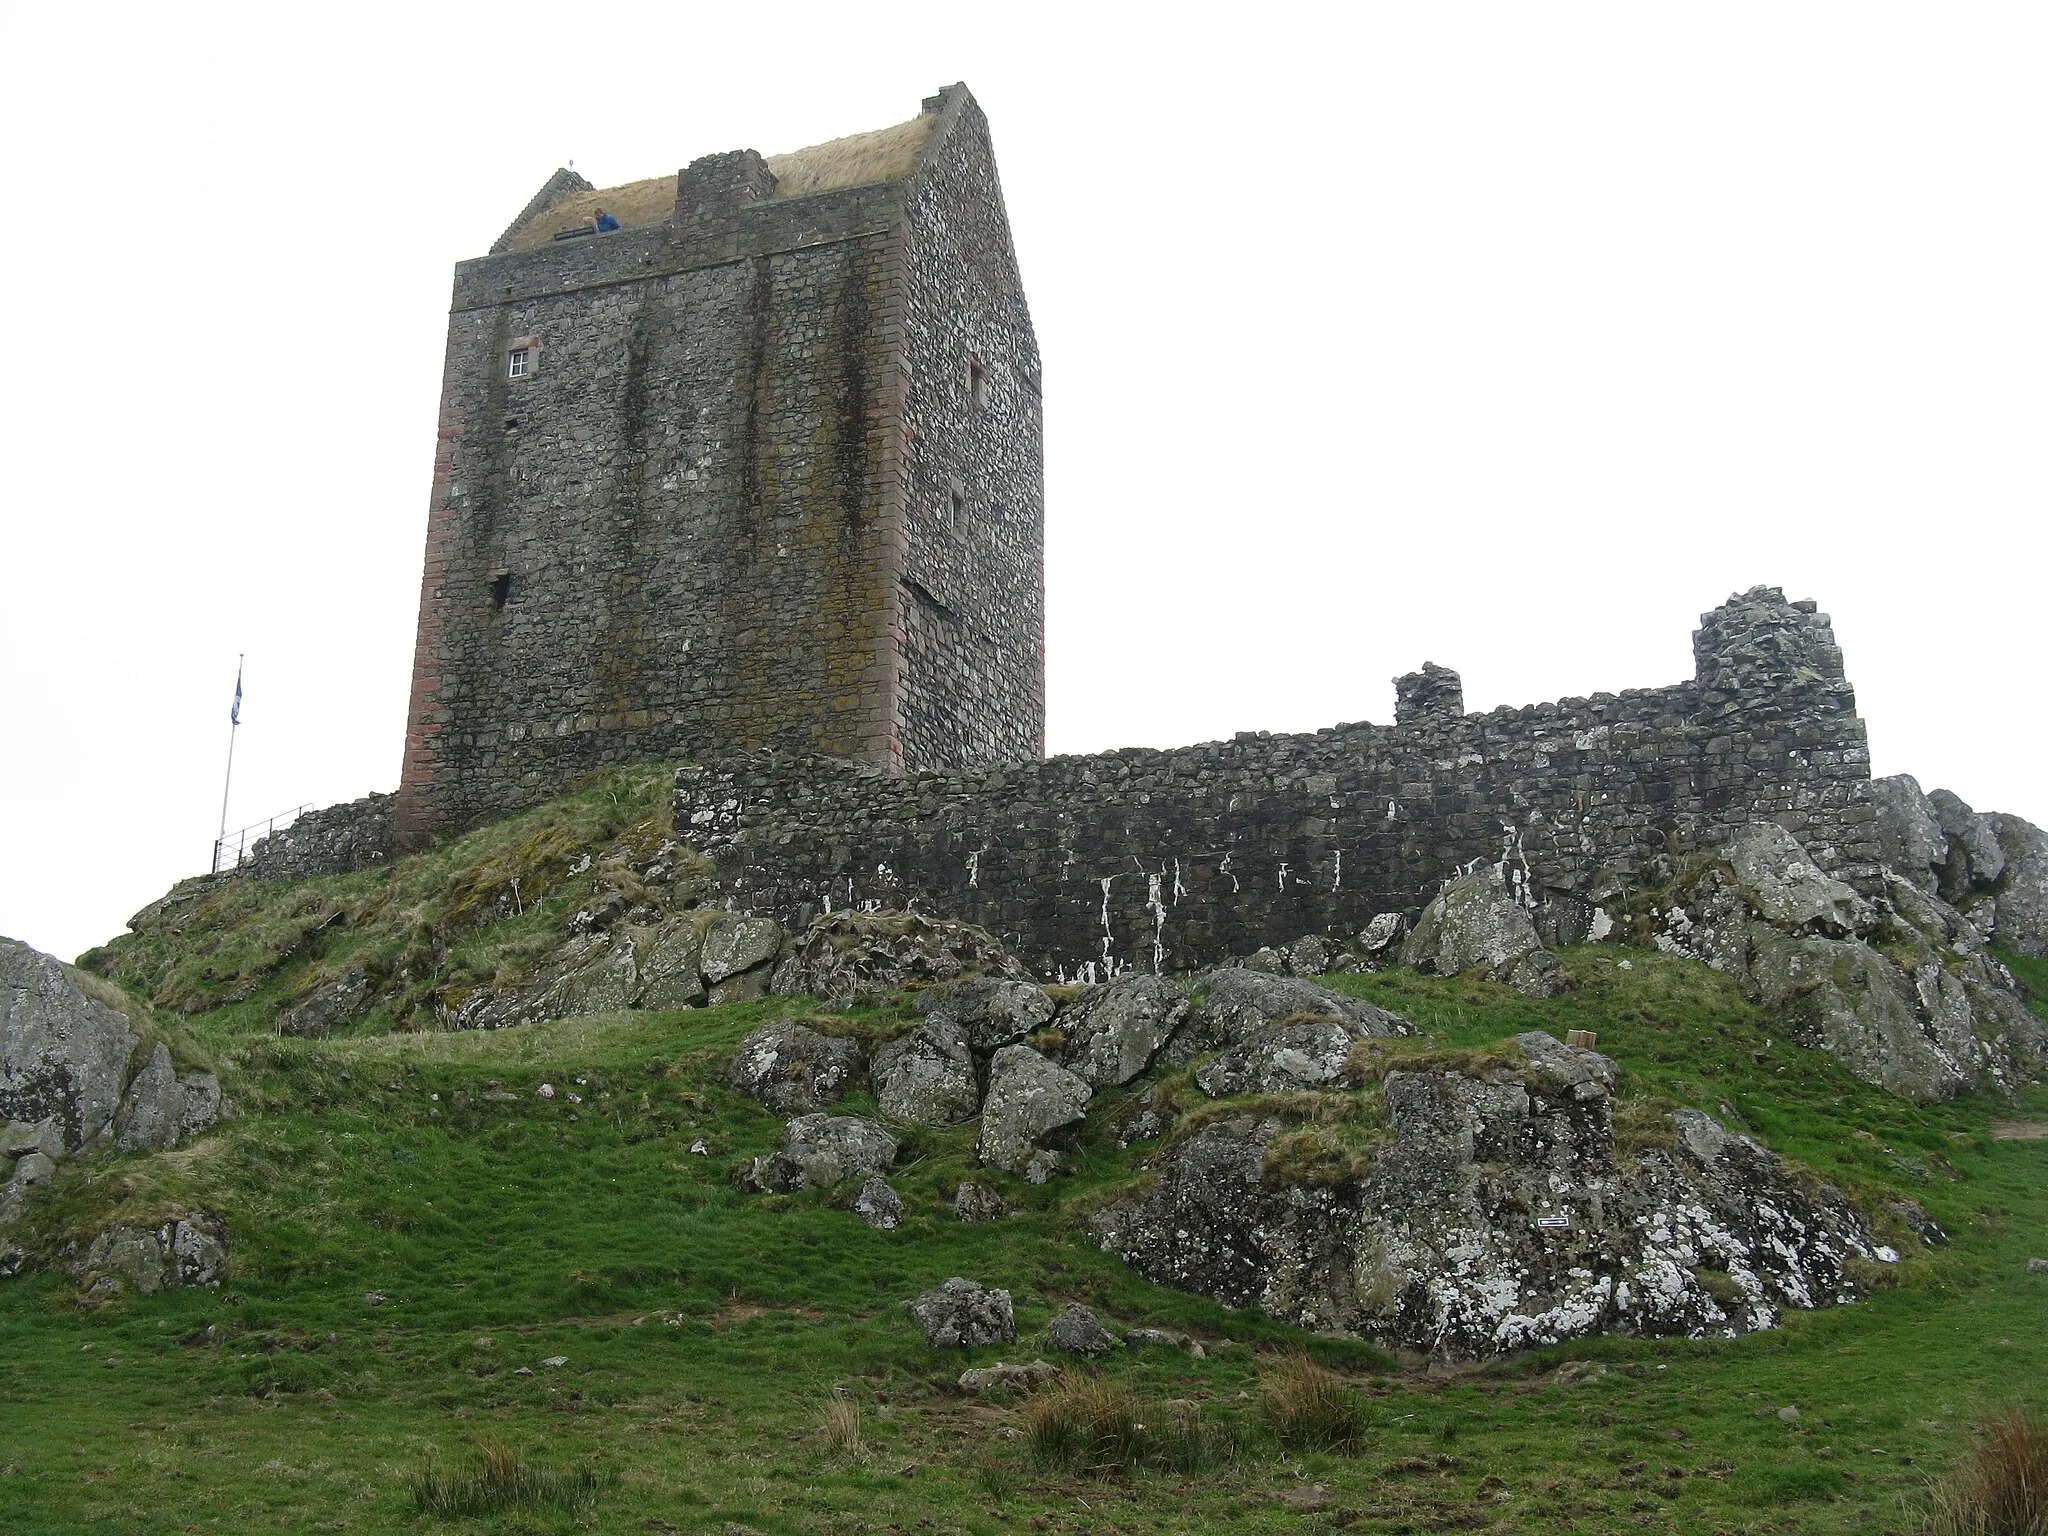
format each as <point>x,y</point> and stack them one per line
<point>1164,1338</point>
<point>698,1149</point>
<point>545,1091</point>
<point>555,1361</point>
<point>984,1379</point>
<point>879,1206</point>
<point>1305,1499</point>
<point>2037,1266</point>
<point>33,1169</point>
<point>964,1314</point>
<point>524,1370</point>
<point>1078,1333</point>
<point>375,1298</point>
<point>1788,1414</point>
<point>979,1200</point>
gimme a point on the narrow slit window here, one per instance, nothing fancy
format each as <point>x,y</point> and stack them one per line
<point>501,591</point>
<point>956,505</point>
<point>977,384</point>
<point>520,363</point>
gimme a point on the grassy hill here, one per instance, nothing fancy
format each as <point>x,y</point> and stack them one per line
<point>417,1232</point>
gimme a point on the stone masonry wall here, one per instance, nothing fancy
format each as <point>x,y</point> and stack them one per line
<point>1170,860</point>
<point>973,688</point>
<point>681,532</point>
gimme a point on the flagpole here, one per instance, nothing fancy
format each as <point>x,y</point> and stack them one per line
<point>234,725</point>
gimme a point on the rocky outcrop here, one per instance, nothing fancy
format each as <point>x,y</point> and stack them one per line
<point>849,957</point>
<point>964,1314</point>
<point>164,1106</point>
<point>1993,869</point>
<point>185,1249</point>
<point>332,1002</point>
<point>1281,1058</point>
<point>63,1054</point>
<point>1900,989</point>
<point>2020,904</point>
<point>793,1069</point>
<point>820,1152</point>
<point>1496,1213</point>
<point>1032,1106</point>
<point>1475,924</point>
<point>1235,1002</point>
<point>982,1380</point>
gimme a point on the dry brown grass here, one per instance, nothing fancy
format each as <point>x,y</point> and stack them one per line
<point>2000,1488</point>
<point>1310,1408</point>
<point>858,160</point>
<point>842,1427</point>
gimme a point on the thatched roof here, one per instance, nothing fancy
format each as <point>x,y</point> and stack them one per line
<point>859,160</point>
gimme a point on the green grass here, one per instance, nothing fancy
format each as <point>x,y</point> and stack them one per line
<point>409,1240</point>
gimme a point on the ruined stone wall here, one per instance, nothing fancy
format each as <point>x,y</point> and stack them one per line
<point>1175,859</point>
<point>335,840</point>
<point>681,531</point>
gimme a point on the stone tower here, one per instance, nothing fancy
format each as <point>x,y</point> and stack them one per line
<point>762,467</point>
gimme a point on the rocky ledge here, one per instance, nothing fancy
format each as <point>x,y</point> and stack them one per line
<point>1492,1211</point>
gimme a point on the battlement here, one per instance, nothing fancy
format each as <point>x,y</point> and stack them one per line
<point>762,467</point>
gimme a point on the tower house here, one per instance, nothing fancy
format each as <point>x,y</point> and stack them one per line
<point>760,468</point>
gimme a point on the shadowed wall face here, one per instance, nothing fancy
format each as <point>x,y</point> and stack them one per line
<point>674,474</point>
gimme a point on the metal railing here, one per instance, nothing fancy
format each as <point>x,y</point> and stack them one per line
<point>231,850</point>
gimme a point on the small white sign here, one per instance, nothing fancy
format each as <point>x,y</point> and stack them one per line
<point>1554,1222</point>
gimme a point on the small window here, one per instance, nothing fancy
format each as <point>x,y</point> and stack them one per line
<point>977,384</point>
<point>521,363</point>
<point>501,590</point>
<point>956,504</point>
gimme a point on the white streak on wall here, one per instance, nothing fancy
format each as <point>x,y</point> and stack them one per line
<point>973,870</point>
<point>1156,905</point>
<point>1338,883</point>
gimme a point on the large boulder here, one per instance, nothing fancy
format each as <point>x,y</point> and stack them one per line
<point>965,1314</point>
<point>671,965</point>
<point>793,1069</point>
<point>164,1107</point>
<point>1114,1031</point>
<point>927,1077</point>
<point>820,1152</point>
<point>990,1012</point>
<point>850,957</point>
<point>1473,924</point>
<point>1499,1214</point>
<point>1031,1103</point>
<point>1786,889</point>
<point>63,1054</point>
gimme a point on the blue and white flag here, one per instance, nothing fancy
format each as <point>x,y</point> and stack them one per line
<point>235,714</point>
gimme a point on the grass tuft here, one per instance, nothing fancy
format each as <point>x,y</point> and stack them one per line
<point>2000,1488</point>
<point>842,1427</point>
<point>1310,1408</point>
<point>497,1480</point>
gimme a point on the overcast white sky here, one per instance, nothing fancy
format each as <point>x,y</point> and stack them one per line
<point>1508,336</point>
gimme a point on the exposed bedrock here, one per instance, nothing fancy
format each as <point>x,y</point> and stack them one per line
<point>1899,987</point>
<point>1496,1214</point>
